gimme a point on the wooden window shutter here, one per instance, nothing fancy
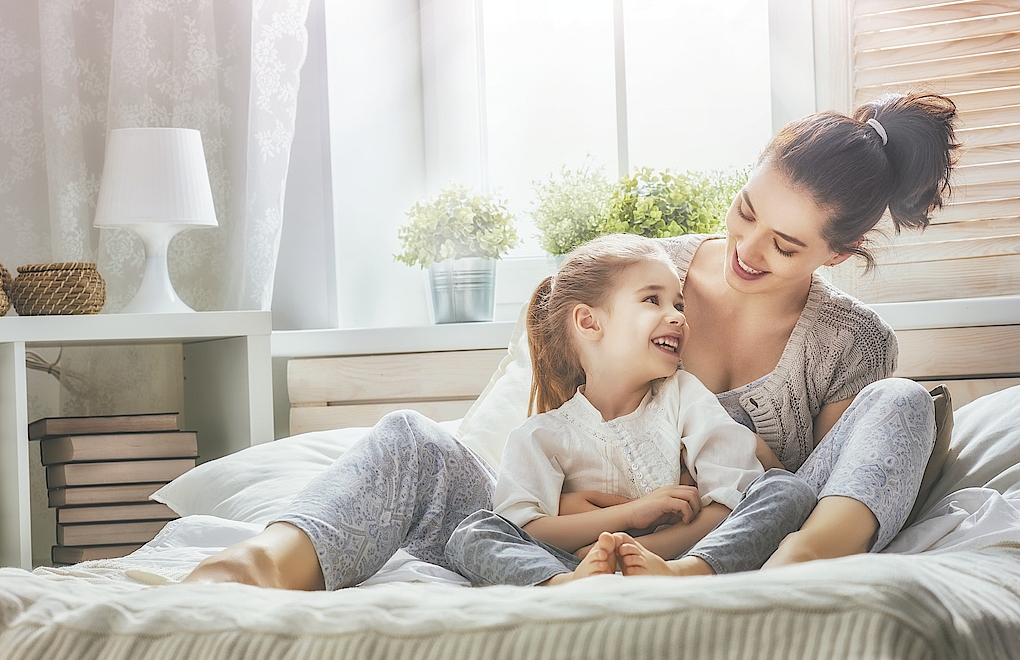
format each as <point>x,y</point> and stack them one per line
<point>970,51</point>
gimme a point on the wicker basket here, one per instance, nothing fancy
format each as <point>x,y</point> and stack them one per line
<point>5,286</point>
<point>61,288</point>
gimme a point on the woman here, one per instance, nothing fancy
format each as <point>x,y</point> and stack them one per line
<point>786,353</point>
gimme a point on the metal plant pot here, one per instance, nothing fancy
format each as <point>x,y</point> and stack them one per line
<point>463,290</point>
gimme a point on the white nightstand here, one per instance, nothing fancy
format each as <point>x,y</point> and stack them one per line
<point>228,395</point>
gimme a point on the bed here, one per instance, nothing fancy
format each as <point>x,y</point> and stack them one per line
<point>947,587</point>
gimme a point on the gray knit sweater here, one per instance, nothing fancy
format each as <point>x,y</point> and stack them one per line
<point>838,346</point>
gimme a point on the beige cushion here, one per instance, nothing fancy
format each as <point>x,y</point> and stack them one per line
<point>943,432</point>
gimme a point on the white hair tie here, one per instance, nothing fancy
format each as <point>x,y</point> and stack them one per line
<point>878,129</point>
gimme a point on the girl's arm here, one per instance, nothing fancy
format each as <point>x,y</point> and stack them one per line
<point>676,539</point>
<point>572,531</point>
<point>673,541</point>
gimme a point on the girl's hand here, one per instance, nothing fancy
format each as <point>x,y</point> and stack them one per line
<point>588,500</point>
<point>683,501</point>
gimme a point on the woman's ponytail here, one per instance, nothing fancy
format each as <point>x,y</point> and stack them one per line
<point>921,151</point>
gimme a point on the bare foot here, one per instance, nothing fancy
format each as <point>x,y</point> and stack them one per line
<point>635,559</point>
<point>600,560</point>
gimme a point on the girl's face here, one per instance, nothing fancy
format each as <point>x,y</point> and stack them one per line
<point>643,322</point>
<point>774,236</point>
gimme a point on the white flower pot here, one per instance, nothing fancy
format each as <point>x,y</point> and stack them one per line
<point>463,290</point>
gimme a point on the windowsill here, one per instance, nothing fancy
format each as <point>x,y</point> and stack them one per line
<point>959,313</point>
<point>969,312</point>
<point>376,341</point>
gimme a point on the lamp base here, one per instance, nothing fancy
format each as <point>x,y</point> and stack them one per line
<point>156,294</point>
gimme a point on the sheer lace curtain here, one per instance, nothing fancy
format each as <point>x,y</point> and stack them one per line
<point>70,71</point>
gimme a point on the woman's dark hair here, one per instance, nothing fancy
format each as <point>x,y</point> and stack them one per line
<point>843,164</point>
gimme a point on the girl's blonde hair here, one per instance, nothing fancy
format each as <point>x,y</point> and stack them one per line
<point>588,276</point>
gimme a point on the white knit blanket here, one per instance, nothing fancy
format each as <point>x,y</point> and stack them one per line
<point>961,604</point>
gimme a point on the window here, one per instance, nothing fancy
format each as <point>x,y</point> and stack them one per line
<point>498,94</point>
<point>970,51</point>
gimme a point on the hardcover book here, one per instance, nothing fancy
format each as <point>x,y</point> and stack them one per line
<point>116,472</point>
<point>54,426</point>
<point>119,446</point>
<point>115,513</point>
<point>89,495</point>
<point>61,554</point>
<point>115,533</point>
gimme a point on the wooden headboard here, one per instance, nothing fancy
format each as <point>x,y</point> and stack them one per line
<point>971,361</point>
<point>338,392</point>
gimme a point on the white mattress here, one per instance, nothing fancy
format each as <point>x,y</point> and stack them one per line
<point>948,588</point>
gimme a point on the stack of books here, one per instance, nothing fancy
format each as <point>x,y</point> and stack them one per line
<point>100,472</point>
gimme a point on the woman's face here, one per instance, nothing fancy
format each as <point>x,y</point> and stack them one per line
<point>774,236</point>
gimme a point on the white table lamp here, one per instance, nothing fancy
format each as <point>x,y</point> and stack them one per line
<point>155,183</point>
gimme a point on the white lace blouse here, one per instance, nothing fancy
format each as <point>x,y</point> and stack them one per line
<point>572,449</point>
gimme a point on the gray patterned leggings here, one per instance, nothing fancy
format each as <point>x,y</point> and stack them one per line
<point>409,483</point>
<point>876,452</point>
<point>488,549</point>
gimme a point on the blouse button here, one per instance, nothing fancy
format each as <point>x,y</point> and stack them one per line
<point>639,475</point>
<point>644,483</point>
<point>648,490</point>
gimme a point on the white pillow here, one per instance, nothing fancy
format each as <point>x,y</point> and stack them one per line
<point>255,484</point>
<point>985,448</point>
<point>503,404</point>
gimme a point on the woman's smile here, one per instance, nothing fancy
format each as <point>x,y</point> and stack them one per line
<point>743,271</point>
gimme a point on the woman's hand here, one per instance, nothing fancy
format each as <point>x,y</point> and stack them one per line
<point>668,501</point>
<point>588,500</point>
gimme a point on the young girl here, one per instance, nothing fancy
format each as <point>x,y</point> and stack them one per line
<point>615,415</point>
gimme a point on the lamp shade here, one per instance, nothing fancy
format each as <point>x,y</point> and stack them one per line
<point>155,176</point>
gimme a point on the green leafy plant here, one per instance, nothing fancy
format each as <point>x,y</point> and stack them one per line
<point>456,223</point>
<point>662,204</point>
<point>571,207</point>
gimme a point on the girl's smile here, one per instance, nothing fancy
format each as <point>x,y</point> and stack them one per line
<point>644,322</point>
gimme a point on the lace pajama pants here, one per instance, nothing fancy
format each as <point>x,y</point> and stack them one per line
<point>408,484</point>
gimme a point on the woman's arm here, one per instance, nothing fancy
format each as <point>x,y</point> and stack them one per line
<point>827,418</point>
<point>766,456</point>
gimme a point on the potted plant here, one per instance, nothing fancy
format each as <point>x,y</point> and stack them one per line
<point>572,207</point>
<point>662,204</point>
<point>458,235</point>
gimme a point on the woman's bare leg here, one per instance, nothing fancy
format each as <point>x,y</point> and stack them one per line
<point>839,526</point>
<point>866,472</point>
<point>279,557</point>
